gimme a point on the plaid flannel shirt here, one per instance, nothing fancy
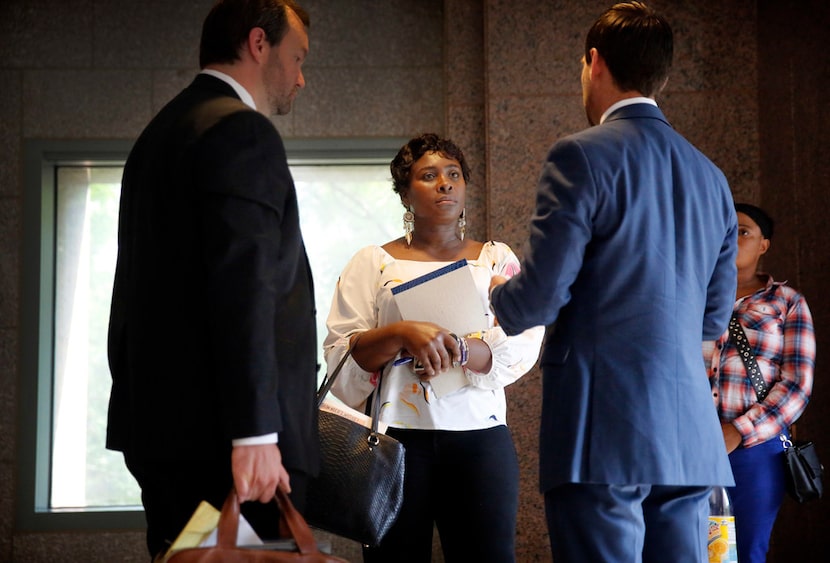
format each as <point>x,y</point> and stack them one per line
<point>779,327</point>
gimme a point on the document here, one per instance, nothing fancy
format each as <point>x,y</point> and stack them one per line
<point>449,298</point>
<point>336,406</point>
<point>201,529</point>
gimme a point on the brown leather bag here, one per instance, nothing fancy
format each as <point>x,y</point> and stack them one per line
<point>226,551</point>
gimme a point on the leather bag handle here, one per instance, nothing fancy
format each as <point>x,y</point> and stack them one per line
<point>228,527</point>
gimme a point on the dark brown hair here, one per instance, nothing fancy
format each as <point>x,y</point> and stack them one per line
<point>229,22</point>
<point>637,45</point>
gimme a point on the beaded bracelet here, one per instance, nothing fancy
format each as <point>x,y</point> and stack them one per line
<point>465,349</point>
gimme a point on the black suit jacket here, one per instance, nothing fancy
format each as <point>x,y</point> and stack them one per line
<point>212,328</point>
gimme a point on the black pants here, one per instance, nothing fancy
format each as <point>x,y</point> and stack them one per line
<point>170,492</point>
<point>465,483</point>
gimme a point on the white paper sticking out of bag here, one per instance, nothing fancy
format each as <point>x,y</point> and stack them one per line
<point>245,536</point>
<point>334,406</point>
<point>201,530</point>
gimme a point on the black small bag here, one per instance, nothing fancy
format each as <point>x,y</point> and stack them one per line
<point>803,470</point>
<point>359,490</point>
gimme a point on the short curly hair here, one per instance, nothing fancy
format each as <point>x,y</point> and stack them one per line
<point>414,149</point>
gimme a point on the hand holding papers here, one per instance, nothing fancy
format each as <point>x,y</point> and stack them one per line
<point>447,297</point>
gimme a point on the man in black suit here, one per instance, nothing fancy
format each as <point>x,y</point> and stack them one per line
<point>212,343</point>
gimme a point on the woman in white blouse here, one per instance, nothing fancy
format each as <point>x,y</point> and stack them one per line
<point>461,467</point>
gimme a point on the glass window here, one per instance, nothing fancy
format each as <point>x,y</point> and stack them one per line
<point>83,473</point>
<point>70,236</point>
<point>342,209</point>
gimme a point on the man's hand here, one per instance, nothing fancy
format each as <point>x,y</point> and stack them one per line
<point>494,281</point>
<point>257,471</point>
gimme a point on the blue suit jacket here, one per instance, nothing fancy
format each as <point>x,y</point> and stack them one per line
<point>632,253</point>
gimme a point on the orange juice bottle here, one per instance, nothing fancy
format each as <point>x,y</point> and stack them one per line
<point>723,547</point>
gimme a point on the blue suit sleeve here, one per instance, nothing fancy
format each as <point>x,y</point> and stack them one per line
<point>560,230</point>
<point>720,293</point>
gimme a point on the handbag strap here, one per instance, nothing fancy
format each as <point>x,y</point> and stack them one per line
<point>375,402</point>
<point>738,337</point>
<point>328,381</point>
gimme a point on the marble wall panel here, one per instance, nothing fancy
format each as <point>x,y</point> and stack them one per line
<point>361,34</point>
<point>124,547</point>
<point>8,393</point>
<point>152,34</point>
<point>10,217</point>
<point>11,109</point>
<point>520,132</point>
<point>69,104</point>
<point>534,48</point>
<point>723,125</point>
<point>465,128</point>
<point>464,46</point>
<point>46,33</point>
<point>524,405</point>
<point>6,510</point>
<point>374,102</point>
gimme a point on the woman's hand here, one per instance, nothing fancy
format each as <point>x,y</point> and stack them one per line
<point>429,344</point>
<point>731,436</point>
<point>433,348</point>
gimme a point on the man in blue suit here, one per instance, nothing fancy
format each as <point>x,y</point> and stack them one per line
<point>631,264</point>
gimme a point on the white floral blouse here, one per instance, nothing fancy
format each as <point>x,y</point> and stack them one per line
<point>363,300</point>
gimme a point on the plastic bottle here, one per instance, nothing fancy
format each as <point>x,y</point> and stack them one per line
<point>723,547</point>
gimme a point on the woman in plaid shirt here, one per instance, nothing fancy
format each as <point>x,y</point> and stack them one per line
<point>779,329</point>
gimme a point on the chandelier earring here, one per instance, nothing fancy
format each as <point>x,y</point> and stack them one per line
<point>462,223</point>
<point>408,226</point>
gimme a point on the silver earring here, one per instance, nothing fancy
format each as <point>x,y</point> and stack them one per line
<point>462,222</point>
<point>408,226</point>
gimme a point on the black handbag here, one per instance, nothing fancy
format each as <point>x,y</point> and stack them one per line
<point>359,490</point>
<point>802,469</point>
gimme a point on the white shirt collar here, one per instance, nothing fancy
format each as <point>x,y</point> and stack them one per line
<point>237,87</point>
<point>626,102</point>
